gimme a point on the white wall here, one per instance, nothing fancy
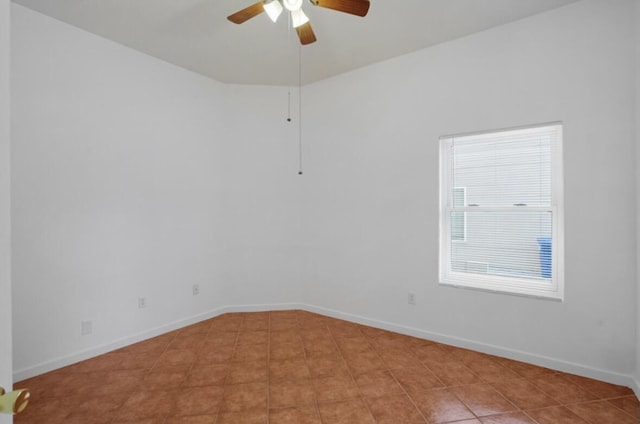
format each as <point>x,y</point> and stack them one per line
<point>137,178</point>
<point>6,377</point>
<point>371,212</point>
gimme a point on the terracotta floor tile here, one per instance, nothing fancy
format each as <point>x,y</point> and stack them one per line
<point>298,367</point>
<point>629,404</point>
<point>187,341</point>
<point>295,369</point>
<point>523,369</point>
<point>362,362</point>
<point>199,419</point>
<point>256,323</point>
<point>416,379</point>
<point>395,410</point>
<point>144,421</point>
<point>284,324</point>
<point>198,401</point>
<point>344,329</point>
<point>508,418</point>
<point>225,322</point>
<point>105,383</point>
<point>243,397</point>
<point>441,406</point>
<point>555,415</point>
<point>99,408</point>
<point>214,355</point>
<point>378,383</point>
<point>163,378</point>
<point>143,405</point>
<point>247,372</point>
<point>51,384</point>
<point>561,389</point>
<point>321,334</point>
<point>348,412</point>
<point>44,412</point>
<point>396,358</point>
<point>253,337</point>
<point>482,399</point>
<point>391,341</point>
<point>176,358</point>
<point>491,371</point>
<point>287,336</point>
<point>431,354</point>
<point>281,351</point>
<point>467,356</point>
<point>353,344</point>
<point>601,389</point>
<point>335,388</point>
<point>601,412</point>
<point>76,418</point>
<point>55,384</point>
<point>372,332</point>
<point>242,417</point>
<point>207,375</point>
<point>524,394</point>
<point>201,328</point>
<point>454,373</point>
<point>284,394</point>
<point>220,338</point>
<point>325,365</point>
<point>248,352</point>
<point>297,415</point>
<point>321,347</point>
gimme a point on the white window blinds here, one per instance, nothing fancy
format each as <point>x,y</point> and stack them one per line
<point>501,194</point>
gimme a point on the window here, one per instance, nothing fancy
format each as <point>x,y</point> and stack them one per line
<point>501,211</point>
<point>459,219</point>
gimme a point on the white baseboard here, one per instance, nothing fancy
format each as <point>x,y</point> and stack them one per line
<point>66,360</point>
<point>636,382</point>
<point>517,355</point>
<point>556,364</point>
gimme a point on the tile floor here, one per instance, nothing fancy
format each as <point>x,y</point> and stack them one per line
<point>295,367</point>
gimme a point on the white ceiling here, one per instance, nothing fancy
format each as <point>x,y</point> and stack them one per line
<point>196,35</point>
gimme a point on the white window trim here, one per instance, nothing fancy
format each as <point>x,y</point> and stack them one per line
<point>553,289</point>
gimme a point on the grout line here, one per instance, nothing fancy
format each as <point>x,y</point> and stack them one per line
<point>304,354</point>
<point>400,385</point>
<point>268,364</point>
<point>224,382</point>
<point>361,397</point>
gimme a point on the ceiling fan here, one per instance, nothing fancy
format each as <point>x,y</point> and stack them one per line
<point>299,20</point>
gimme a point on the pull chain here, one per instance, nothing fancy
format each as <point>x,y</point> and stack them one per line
<point>300,110</point>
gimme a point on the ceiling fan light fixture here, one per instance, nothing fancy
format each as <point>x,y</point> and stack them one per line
<point>273,9</point>
<point>292,5</point>
<point>298,18</point>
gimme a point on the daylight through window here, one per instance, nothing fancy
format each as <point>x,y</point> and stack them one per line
<point>501,211</point>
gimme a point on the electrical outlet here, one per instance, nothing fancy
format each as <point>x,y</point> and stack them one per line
<point>196,289</point>
<point>86,328</point>
<point>142,302</point>
<point>411,298</point>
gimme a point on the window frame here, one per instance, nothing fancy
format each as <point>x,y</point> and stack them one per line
<point>551,289</point>
<point>464,216</point>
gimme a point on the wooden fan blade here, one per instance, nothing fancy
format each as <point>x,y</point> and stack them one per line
<point>247,13</point>
<point>305,33</point>
<point>354,7</point>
